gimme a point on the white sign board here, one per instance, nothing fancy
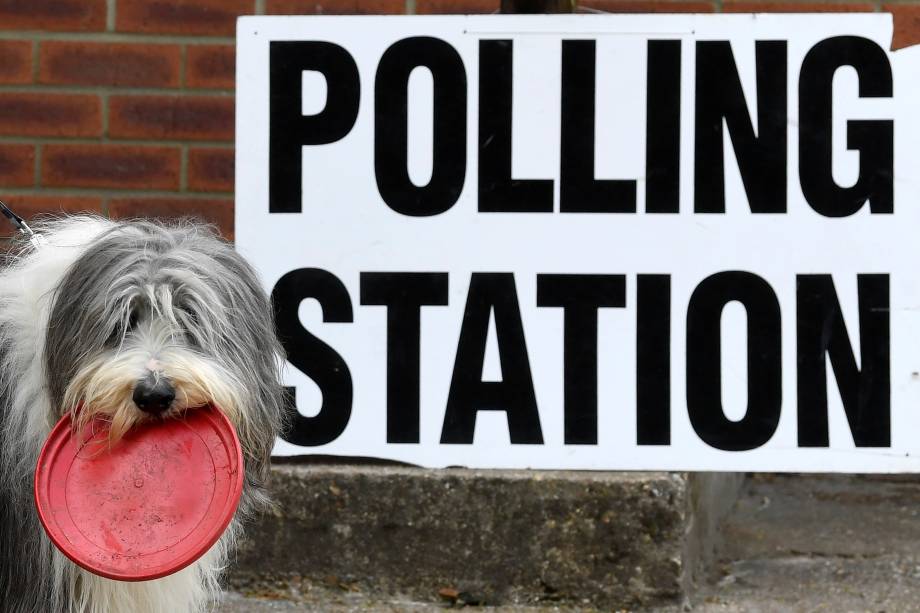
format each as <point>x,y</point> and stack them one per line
<point>589,242</point>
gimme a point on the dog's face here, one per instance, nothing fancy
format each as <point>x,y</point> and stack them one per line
<point>152,321</point>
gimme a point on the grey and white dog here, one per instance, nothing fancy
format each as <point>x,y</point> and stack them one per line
<point>137,321</point>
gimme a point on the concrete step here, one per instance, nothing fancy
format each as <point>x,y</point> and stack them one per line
<point>324,601</point>
<point>378,535</point>
<point>819,543</point>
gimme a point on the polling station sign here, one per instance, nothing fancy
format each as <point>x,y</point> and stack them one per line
<point>589,241</point>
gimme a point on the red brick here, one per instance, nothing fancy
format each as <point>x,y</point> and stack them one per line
<point>57,15</point>
<point>746,6</point>
<point>643,6</point>
<point>215,211</point>
<point>31,207</point>
<point>44,114</point>
<point>211,66</point>
<point>17,165</point>
<point>172,117</point>
<point>205,17</point>
<point>15,61</point>
<point>210,170</point>
<point>458,7</point>
<point>116,64</point>
<point>114,166</point>
<point>335,7</point>
<point>906,24</point>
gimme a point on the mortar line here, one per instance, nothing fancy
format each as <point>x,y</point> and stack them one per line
<point>115,37</point>
<point>114,89</point>
<point>183,59</point>
<point>104,102</point>
<point>183,169</point>
<point>114,192</point>
<point>110,15</point>
<point>36,55</point>
<point>37,167</point>
<point>95,140</point>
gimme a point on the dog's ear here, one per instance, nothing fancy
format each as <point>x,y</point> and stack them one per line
<point>256,344</point>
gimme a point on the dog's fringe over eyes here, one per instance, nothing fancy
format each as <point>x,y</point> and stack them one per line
<point>85,317</point>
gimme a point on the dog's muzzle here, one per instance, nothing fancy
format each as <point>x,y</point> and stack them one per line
<point>154,394</point>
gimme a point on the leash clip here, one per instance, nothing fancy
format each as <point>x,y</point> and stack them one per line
<point>37,240</point>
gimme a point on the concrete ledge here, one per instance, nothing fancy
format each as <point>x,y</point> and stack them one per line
<point>609,539</point>
<point>712,498</point>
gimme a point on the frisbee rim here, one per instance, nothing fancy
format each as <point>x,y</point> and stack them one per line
<point>58,441</point>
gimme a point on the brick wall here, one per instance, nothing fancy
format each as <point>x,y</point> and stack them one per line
<point>125,107</point>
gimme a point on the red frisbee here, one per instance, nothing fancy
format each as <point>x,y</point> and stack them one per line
<point>146,507</point>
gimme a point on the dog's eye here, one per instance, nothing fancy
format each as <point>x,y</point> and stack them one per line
<point>121,329</point>
<point>192,340</point>
<point>188,317</point>
<point>189,320</point>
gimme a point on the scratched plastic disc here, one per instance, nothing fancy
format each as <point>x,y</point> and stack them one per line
<point>146,506</point>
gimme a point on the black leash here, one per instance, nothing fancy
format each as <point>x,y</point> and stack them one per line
<point>36,239</point>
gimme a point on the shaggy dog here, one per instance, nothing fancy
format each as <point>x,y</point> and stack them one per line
<point>136,321</point>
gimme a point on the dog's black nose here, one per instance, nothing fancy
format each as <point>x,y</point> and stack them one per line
<point>153,394</point>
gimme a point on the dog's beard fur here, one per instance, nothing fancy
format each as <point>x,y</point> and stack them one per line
<point>82,320</point>
<point>103,389</point>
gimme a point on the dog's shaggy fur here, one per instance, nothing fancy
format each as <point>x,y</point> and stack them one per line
<point>83,318</point>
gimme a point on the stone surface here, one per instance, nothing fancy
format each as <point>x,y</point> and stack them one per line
<point>491,537</point>
<point>712,497</point>
<point>325,601</point>
<point>847,516</point>
<point>793,543</point>
<point>818,543</point>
